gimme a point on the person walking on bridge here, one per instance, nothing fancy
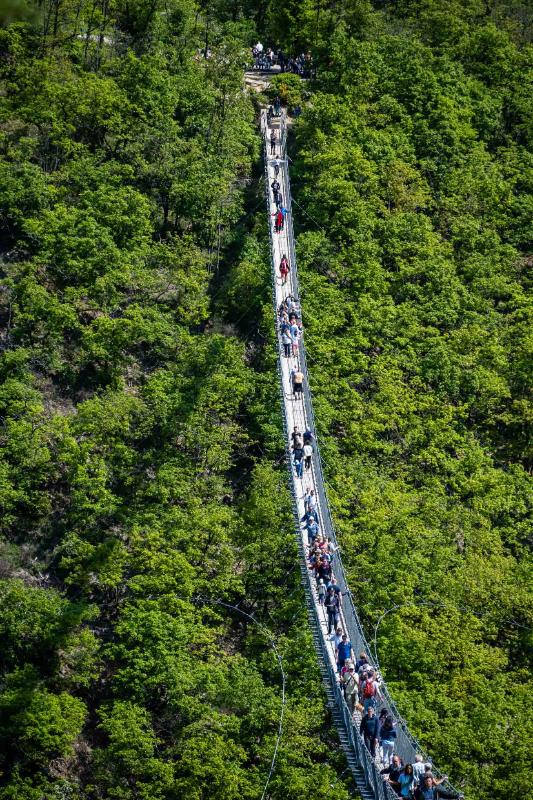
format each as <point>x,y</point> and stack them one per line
<point>275,190</point>
<point>279,220</point>
<point>273,140</point>
<point>284,269</point>
<point>369,730</point>
<point>297,379</point>
<point>332,607</point>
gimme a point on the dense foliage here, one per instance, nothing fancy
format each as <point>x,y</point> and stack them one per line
<point>413,167</point>
<point>141,475</point>
<point>140,479</point>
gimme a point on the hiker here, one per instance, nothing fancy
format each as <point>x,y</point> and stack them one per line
<point>429,790</point>
<point>362,661</point>
<point>286,340</point>
<point>277,106</point>
<point>321,591</point>
<point>311,504</point>
<point>332,607</point>
<point>387,737</point>
<point>370,690</point>
<point>273,142</point>
<point>323,571</point>
<point>392,771</point>
<point>369,730</point>
<point>279,200</point>
<point>284,269</point>
<point>298,455</point>
<point>275,190</point>
<point>308,437</point>
<point>296,437</point>
<point>405,783</point>
<point>297,379</point>
<point>284,213</point>
<point>350,681</point>
<point>344,651</point>
<point>312,530</point>
<point>295,335</point>
<point>308,453</point>
<point>278,221</point>
<point>277,165</point>
<point>418,768</point>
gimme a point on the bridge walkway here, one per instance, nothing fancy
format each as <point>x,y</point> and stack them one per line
<point>298,411</point>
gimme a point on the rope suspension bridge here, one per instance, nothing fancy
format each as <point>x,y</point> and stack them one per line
<point>297,410</point>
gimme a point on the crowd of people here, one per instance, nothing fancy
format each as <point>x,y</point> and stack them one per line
<point>266,59</point>
<point>358,678</point>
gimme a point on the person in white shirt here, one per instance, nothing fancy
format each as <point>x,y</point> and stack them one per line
<point>308,452</point>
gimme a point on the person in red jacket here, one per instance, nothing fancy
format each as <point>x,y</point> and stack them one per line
<point>284,269</point>
<point>279,219</point>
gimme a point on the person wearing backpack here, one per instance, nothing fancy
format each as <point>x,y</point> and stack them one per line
<point>321,591</point>
<point>370,690</point>
<point>387,739</point>
<point>332,607</point>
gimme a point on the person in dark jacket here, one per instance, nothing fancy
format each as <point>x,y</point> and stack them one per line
<point>332,607</point>
<point>429,790</point>
<point>369,730</point>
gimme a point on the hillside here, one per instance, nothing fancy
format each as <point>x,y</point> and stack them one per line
<point>147,557</point>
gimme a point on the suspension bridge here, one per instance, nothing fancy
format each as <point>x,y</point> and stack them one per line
<point>298,411</point>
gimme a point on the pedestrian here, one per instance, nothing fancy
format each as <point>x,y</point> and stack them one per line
<point>298,454</point>
<point>311,504</point>
<point>392,771</point>
<point>286,340</point>
<point>284,213</point>
<point>277,106</point>
<point>296,437</point>
<point>362,662</point>
<point>418,769</point>
<point>295,336</point>
<point>337,636</point>
<point>387,737</point>
<point>321,591</point>
<point>324,572</point>
<point>344,651</point>
<point>275,190</point>
<point>273,140</point>
<point>297,382</point>
<point>312,530</point>
<point>369,729</point>
<point>370,690</point>
<point>308,437</point>
<point>350,681</point>
<point>277,165</point>
<point>279,221</point>
<point>405,784</point>
<point>284,269</point>
<point>331,604</point>
<point>431,791</point>
<point>308,452</point>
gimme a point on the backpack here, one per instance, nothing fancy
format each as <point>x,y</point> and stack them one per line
<point>368,690</point>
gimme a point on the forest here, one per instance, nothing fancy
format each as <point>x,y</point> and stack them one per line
<point>149,577</point>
